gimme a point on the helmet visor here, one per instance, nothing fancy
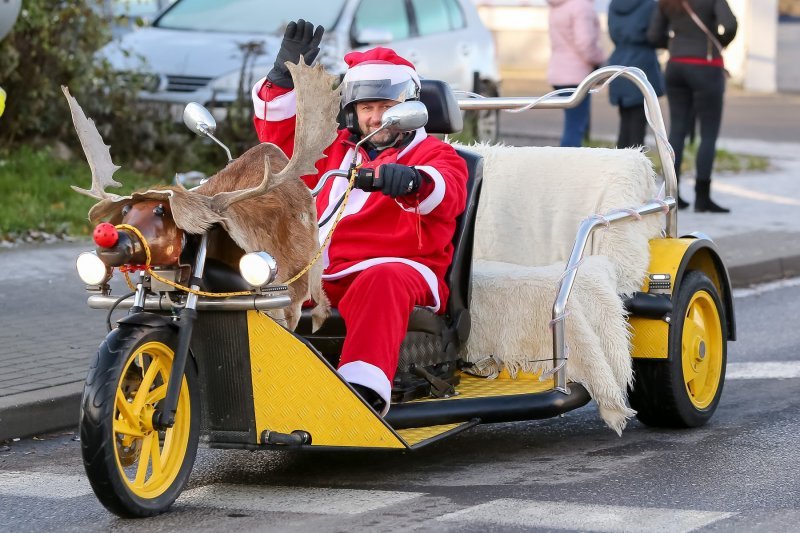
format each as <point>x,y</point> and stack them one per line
<point>363,90</point>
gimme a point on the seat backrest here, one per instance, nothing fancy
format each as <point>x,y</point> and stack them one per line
<point>534,199</point>
<point>459,276</point>
<point>444,115</point>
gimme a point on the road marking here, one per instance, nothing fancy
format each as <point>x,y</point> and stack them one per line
<point>605,518</point>
<point>766,287</point>
<point>765,370</point>
<point>293,499</point>
<point>43,485</point>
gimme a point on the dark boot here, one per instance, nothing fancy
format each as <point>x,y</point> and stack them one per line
<point>372,398</point>
<point>703,202</point>
<point>682,204</point>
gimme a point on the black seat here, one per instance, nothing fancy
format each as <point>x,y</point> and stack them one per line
<point>431,339</point>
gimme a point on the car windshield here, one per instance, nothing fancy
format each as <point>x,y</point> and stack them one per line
<point>247,16</point>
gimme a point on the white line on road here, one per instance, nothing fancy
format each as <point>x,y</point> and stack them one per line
<point>43,485</point>
<point>766,287</point>
<point>293,499</point>
<point>605,518</point>
<point>763,370</point>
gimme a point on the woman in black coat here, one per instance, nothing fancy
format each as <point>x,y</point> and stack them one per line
<point>628,21</point>
<point>695,31</point>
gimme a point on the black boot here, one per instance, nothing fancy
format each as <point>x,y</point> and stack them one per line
<point>372,398</point>
<point>703,202</point>
<point>682,204</point>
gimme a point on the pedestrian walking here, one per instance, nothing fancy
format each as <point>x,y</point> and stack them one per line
<point>574,53</point>
<point>695,32</point>
<point>628,21</point>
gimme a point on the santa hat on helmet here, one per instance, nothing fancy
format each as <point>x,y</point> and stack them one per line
<point>378,74</point>
<point>379,63</point>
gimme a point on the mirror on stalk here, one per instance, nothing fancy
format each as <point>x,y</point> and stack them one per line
<point>407,116</point>
<point>199,119</point>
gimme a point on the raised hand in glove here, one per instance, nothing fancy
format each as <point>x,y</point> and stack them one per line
<point>396,180</point>
<point>300,39</point>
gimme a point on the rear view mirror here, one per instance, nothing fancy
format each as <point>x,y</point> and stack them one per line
<point>407,116</point>
<point>198,119</point>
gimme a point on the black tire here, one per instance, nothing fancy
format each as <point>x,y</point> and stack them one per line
<point>124,360</point>
<point>684,390</point>
<point>484,125</point>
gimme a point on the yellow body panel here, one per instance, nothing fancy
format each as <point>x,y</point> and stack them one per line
<point>294,390</point>
<point>503,385</point>
<point>650,338</point>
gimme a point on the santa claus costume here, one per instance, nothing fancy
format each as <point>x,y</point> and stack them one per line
<point>386,254</point>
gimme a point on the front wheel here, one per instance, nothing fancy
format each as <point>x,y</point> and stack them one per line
<point>135,469</point>
<point>684,390</point>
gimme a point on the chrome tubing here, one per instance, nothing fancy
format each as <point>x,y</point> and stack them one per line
<point>321,183</point>
<point>587,227</point>
<point>652,108</point>
<point>197,271</point>
<point>164,303</point>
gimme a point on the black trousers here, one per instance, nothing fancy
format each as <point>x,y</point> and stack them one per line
<point>632,126</point>
<point>695,91</point>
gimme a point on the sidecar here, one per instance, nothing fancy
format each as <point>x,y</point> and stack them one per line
<point>249,383</point>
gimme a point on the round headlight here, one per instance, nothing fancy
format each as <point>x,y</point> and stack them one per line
<point>91,269</point>
<point>258,268</point>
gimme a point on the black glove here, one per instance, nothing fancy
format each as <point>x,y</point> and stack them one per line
<point>397,180</point>
<point>300,39</point>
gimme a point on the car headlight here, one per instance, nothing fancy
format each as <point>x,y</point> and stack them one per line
<point>91,269</point>
<point>258,268</point>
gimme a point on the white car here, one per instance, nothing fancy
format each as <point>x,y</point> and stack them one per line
<point>198,50</point>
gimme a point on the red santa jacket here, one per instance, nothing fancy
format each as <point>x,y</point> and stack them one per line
<point>416,229</point>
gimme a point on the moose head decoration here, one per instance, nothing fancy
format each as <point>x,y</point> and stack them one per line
<point>258,202</point>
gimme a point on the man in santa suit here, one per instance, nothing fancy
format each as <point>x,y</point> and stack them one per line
<point>392,247</point>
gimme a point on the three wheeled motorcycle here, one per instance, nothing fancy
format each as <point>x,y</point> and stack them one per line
<point>185,366</point>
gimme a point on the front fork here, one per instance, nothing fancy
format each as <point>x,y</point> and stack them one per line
<point>164,416</point>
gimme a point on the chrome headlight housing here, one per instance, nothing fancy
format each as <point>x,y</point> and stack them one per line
<point>258,268</point>
<point>92,270</point>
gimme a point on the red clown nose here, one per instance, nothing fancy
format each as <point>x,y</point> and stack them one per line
<point>105,235</point>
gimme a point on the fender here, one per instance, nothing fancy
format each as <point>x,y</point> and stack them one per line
<point>675,257</point>
<point>149,319</point>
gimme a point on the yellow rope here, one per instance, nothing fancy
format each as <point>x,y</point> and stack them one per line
<point>184,288</point>
<point>166,281</point>
<point>339,214</point>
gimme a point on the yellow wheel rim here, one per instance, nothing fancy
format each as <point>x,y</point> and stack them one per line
<point>149,460</point>
<point>702,347</point>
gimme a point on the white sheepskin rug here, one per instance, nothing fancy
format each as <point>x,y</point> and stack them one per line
<point>531,204</point>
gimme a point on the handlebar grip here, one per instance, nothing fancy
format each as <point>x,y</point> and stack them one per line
<point>366,180</point>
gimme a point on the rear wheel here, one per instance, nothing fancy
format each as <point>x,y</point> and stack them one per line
<point>684,390</point>
<point>135,469</point>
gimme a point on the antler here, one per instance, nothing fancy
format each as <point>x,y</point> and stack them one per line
<point>317,106</point>
<point>223,200</point>
<point>97,153</point>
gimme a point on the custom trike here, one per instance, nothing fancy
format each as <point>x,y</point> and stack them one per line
<point>223,355</point>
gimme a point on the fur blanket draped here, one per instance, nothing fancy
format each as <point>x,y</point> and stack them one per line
<point>532,201</point>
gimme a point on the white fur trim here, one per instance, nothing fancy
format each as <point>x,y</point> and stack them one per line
<point>427,274</point>
<point>280,108</point>
<point>435,197</point>
<point>381,71</point>
<point>419,136</point>
<point>370,376</point>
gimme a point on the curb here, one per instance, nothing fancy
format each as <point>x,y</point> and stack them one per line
<point>764,271</point>
<point>40,411</point>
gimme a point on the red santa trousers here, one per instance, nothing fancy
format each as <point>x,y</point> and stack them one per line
<point>376,304</point>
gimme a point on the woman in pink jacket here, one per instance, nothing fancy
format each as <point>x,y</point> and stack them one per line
<point>574,53</point>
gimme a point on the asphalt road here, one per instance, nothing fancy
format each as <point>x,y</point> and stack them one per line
<point>737,473</point>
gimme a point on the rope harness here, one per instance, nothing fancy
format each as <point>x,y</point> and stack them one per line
<point>126,269</point>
